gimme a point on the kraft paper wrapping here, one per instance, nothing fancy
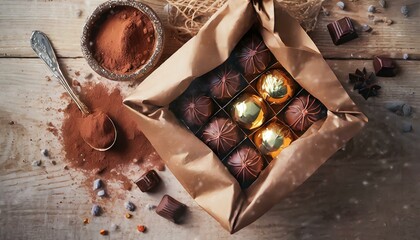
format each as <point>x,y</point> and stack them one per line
<point>196,167</point>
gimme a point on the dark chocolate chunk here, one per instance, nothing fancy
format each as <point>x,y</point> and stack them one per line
<point>384,67</point>
<point>245,165</point>
<point>171,209</point>
<point>148,181</point>
<point>342,31</point>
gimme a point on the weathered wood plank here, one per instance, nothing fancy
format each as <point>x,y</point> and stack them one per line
<point>394,40</point>
<point>63,22</point>
<point>370,190</point>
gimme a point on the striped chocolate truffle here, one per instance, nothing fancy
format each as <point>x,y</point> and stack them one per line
<point>303,111</point>
<point>221,135</point>
<point>196,109</point>
<point>245,164</point>
<point>224,81</point>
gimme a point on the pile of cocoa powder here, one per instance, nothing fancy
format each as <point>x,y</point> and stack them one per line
<point>131,145</point>
<point>124,40</point>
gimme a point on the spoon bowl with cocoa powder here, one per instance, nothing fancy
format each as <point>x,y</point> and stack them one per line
<point>97,129</point>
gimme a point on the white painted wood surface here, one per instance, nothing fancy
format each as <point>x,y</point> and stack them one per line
<point>370,190</point>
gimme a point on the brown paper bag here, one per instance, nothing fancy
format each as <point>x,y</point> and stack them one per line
<point>197,168</point>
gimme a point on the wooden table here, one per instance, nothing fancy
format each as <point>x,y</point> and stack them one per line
<point>368,190</point>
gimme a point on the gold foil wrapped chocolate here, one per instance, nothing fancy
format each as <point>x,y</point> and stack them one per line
<point>249,111</point>
<point>273,138</point>
<point>276,87</point>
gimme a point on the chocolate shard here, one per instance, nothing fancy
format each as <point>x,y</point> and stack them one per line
<point>384,67</point>
<point>342,31</point>
<point>148,181</point>
<point>171,209</point>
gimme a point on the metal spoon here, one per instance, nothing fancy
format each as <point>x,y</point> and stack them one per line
<point>43,48</point>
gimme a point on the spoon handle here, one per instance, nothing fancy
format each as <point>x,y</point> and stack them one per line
<point>43,48</point>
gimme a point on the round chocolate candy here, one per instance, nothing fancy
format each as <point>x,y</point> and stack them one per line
<point>273,138</point>
<point>221,135</point>
<point>245,164</point>
<point>196,109</point>
<point>225,82</point>
<point>303,111</point>
<point>252,55</point>
<point>276,87</point>
<point>249,111</point>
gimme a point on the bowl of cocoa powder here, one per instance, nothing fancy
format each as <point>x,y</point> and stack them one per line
<point>122,40</point>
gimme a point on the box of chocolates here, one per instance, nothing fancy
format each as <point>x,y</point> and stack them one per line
<point>245,111</point>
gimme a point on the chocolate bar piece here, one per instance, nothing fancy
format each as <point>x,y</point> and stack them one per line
<point>171,209</point>
<point>384,67</point>
<point>342,31</point>
<point>148,181</point>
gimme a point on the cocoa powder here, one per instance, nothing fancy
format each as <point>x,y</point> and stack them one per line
<point>97,130</point>
<point>124,40</point>
<point>131,143</point>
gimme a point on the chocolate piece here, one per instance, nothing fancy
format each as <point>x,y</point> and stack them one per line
<point>196,109</point>
<point>225,82</point>
<point>252,54</point>
<point>384,67</point>
<point>276,86</point>
<point>171,209</point>
<point>245,164</point>
<point>249,111</point>
<point>148,181</point>
<point>342,31</point>
<point>303,111</point>
<point>221,135</point>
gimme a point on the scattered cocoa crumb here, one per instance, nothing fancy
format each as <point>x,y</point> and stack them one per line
<point>36,163</point>
<point>77,73</point>
<point>103,232</point>
<point>86,221</point>
<point>52,129</point>
<point>66,167</point>
<point>53,162</point>
<point>88,76</point>
<point>128,215</point>
<point>141,228</point>
<point>45,152</point>
<point>12,123</point>
<point>75,83</point>
<point>48,78</point>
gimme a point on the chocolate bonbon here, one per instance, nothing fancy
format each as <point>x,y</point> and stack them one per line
<point>221,134</point>
<point>171,209</point>
<point>342,31</point>
<point>273,138</point>
<point>224,81</point>
<point>303,111</point>
<point>196,109</point>
<point>276,87</point>
<point>245,164</point>
<point>252,54</point>
<point>249,111</point>
<point>384,67</point>
<point>148,181</point>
